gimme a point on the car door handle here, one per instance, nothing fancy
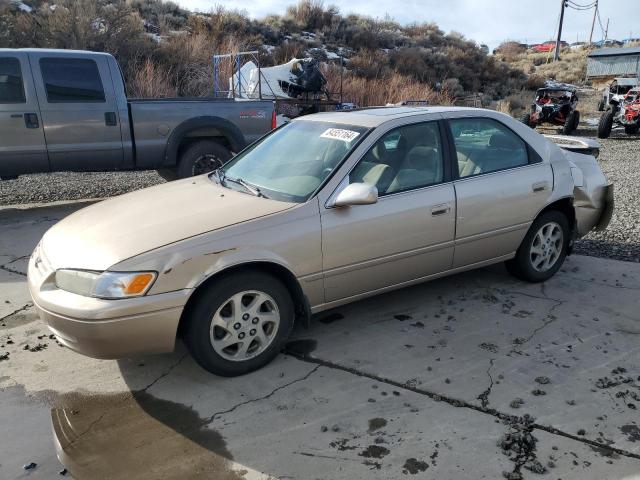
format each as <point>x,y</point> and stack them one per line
<point>540,186</point>
<point>440,209</point>
<point>110,119</point>
<point>31,120</point>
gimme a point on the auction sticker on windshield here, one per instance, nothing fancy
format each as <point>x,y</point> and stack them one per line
<point>340,134</point>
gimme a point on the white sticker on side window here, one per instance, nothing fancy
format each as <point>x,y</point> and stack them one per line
<point>340,134</point>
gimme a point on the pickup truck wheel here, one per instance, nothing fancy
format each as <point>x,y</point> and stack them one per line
<point>543,250</point>
<point>239,324</point>
<point>606,124</point>
<point>202,157</point>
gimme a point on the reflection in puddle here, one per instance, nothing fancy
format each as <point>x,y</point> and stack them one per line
<point>123,436</point>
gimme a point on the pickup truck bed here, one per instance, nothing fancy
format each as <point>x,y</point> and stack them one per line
<point>67,110</point>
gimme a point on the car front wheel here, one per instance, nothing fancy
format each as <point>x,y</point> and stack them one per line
<point>543,249</point>
<point>239,323</point>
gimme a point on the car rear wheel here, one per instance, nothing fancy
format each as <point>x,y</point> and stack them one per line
<point>543,249</point>
<point>239,323</point>
<point>605,124</point>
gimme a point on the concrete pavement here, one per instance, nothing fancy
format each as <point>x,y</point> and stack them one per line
<point>473,376</point>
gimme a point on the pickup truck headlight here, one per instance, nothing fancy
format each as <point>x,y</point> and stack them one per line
<point>109,285</point>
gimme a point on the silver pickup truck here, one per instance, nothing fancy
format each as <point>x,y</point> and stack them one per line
<point>67,110</point>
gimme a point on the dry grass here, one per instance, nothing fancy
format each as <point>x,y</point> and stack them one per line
<point>392,88</point>
<point>572,67</point>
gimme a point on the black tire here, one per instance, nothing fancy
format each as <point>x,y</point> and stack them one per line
<point>631,129</point>
<point>569,124</point>
<point>215,296</point>
<point>605,124</point>
<point>601,105</point>
<point>577,120</point>
<point>169,174</point>
<point>201,157</point>
<point>522,265</point>
<point>526,119</point>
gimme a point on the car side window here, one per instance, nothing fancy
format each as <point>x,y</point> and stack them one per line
<point>11,86</point>
<point>72,80</point>
<point>405,158</point>
<point>484,145</point>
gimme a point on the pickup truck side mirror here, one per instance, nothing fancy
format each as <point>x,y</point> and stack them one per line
<point>356,194</point>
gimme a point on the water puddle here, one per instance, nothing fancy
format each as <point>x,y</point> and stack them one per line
<point>125,436</point>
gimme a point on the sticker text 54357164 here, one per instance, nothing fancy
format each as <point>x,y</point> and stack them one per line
<point>340,134</point>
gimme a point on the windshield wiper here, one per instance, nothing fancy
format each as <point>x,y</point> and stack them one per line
<point>253,189</point>
<point>221,174</point>
<point>250,187</point>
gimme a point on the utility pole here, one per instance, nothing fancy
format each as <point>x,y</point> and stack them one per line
<point>563,4</point>
<point>593,23</point>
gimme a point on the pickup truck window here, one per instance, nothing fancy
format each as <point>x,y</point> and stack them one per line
<point>11,87</point>
<point>72,80</point>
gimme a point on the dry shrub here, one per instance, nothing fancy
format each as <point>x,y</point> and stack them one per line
<point>394,88</point>
<point>150,80</point>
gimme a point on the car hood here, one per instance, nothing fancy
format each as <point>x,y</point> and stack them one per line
<point>108,232</point>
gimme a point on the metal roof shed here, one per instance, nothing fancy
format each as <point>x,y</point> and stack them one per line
<point>611,62</point>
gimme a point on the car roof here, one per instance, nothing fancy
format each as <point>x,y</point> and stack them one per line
<point>375,116</point>
<point>57,51</point>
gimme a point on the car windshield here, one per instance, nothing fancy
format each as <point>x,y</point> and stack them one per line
<point>292,162</point>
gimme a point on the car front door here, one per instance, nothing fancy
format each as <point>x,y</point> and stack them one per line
<point>501,185</point>
<point>22,144</point>
<point>408,234</point>
<point>79,111</point>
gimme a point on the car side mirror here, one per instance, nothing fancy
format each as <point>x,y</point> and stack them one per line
<point>356,194</point>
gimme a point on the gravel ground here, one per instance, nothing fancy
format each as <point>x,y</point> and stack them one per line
<point>619,159</point>
<point>53,187</point>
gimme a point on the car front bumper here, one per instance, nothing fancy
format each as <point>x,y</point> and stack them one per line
<point>106,328</point>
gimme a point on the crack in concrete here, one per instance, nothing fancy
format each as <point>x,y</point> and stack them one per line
<point>161,376</point>
<point>211,418</point>
<point>21,309</point>
<point>11,270</point>
<point>484,396</point>
<point>409,386</point>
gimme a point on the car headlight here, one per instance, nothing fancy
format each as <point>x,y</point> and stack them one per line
<point>105,284</point>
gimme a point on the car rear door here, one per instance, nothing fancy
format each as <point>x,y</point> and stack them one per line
<point>22,144</point>
<point>79,111</point>
<point>408,234</point>
<point>501,184</point>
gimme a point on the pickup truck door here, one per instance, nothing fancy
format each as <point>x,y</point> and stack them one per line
<point>22,145</point>
<point>79,111</point>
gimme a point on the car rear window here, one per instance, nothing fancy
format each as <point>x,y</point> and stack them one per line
<point>11,87</point>
<point>71,80</point>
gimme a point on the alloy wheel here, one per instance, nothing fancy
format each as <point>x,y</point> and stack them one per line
<point>244,326</point>
<point>546,247</point>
